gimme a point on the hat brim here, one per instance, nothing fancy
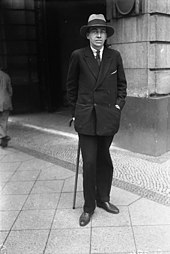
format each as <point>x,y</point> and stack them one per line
<point>84,30</point>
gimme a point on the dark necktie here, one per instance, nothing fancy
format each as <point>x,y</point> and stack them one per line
<point>98,57</point>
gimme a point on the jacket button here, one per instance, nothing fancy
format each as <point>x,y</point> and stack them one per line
<point>95,104</point>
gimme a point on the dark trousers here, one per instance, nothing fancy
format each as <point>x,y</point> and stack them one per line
<point>97,169</point>
<point>3,123</point>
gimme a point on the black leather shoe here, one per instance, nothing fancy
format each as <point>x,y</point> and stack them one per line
<point>4,142</point>
<point>8,138</point>
<point>108,207</point>
<point>85,218</point>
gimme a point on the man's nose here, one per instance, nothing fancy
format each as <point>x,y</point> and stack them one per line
<point>98,34</point>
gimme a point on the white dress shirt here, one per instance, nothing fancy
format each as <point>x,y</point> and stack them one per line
<point>95,52</point>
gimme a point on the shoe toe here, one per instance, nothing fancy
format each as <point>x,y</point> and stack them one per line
<point>107,206</point>
<point>83,223</point>
<point>114,209</point>
<point>84,219</point>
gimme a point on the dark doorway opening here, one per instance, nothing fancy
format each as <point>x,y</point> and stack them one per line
<point>62,21</point>
<point>36,40</point>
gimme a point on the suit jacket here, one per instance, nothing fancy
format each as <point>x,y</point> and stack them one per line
<point>5,92</point>
<point>93,92</point>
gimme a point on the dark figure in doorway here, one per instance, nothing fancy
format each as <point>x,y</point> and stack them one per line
<point>5,106</point>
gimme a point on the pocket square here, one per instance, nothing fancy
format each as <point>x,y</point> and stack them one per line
<point>113,72</point>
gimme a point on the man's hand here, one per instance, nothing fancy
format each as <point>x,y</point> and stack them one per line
<point>71,121</point>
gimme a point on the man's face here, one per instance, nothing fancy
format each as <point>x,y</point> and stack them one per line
<point>97,37</point>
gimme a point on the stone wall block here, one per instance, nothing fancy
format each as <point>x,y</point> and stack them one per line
<point>161,6</point>
<point>148,6</point>
<point>142,28</point>
<point>131,29</point>
<point>162,80</point>
<point>137,80</point>
<point>134,54</point>
<point>151,83</point>
<point>141,82</point>
<point>159,56</point>
<point>159,28</point>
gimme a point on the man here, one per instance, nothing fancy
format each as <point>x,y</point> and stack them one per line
<point>5,106</point>
<point>96,87</point>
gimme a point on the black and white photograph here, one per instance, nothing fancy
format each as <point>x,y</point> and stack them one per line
<point>84,126</point>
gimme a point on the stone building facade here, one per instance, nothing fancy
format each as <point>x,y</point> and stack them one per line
<point>144,42</point>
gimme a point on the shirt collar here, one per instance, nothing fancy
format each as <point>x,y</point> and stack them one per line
<point>95,51</point>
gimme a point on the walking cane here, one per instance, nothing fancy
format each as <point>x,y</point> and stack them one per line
<point>76,175</point>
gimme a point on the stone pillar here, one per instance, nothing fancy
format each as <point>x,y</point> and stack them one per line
<point>144,43</point>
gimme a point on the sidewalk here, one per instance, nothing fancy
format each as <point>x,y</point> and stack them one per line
<point>36,192</point>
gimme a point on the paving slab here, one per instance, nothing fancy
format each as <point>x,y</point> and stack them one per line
<point>33,164</point>
<point>9,166</point>
<point>12,202</point>
<point>147,212</point>
<point>67,218</point>
<point>103,219</point>
<point>112,239</point>
<point>54,172</point>
<point>17,187</point>
<point>69,184</point>
<point>34,219</point>
<point>22,176</point>
<point>42,201</point>
<point>66,200</point>
<point>26,241</point>
<point>47,186</point>
<point>7,218</point>
<point>152,238</point>
<point>69,241</point>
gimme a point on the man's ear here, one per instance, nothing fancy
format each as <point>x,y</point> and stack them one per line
<point>87,36</point>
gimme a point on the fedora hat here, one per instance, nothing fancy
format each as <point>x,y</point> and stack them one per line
<point>96,20</point>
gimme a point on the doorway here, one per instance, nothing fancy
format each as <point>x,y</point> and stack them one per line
<point>63,20</point>
<point>36,41</point>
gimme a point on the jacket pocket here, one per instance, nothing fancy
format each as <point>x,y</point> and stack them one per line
<point>84,118</point>
<point>108,120</point>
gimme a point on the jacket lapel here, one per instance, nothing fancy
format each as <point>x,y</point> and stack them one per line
<point>99,74</point>
<point>91,62</point>
<point>104,67</point>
